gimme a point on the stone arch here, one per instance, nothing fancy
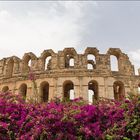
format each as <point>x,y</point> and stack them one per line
<point>93,90</point>
<point>90,66</point>
<point>91,50</point>
<point>28,58</point>
<point>5,89</point>
<point>47,53</point>
<point>91,55</point>
<point>91,62</point>
<point>114,63</point>
<point>119,90</point>
<point>23,90</point>
<point>10,67</point>
<point>44,91</point>
<point>68,90</point>
<point>70,57</point>
<point>114,57</point>
<point>71,62</point>
<point>46,58</point>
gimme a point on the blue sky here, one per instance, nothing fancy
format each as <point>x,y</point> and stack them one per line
<point>36,26</point>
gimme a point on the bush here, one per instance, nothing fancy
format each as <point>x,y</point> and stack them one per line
<point>73,120</point>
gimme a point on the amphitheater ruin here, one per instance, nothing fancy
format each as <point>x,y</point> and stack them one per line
<point>67,74</point>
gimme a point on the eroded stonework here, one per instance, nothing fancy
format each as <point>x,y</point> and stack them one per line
<point>67,74</point>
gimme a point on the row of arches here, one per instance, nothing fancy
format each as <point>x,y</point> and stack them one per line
<point>69,90</point>
<point>44,90</point>
<point>28,61</point>
<point>91,62</point>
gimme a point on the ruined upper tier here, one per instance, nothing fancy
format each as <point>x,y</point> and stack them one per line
<point>59,63</point>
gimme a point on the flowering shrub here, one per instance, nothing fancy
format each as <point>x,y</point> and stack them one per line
<point>73,120</point>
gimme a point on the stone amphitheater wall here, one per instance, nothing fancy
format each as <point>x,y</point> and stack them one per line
<point>67,73</point>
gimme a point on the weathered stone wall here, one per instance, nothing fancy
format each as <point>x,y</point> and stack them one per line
<point>57,73</point>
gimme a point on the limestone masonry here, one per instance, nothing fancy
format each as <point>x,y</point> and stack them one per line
<point>67,74</point>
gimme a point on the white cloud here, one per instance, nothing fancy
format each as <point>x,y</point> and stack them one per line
<point>39,28</point>
<point>3,14</point>
<point>135,55</point>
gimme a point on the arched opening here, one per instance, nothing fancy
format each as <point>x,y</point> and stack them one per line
<point>23,90</point>
<point>91,62</point>
<point>92,91</point>
<point>90,96</point>
<point>68,90</point>
<point>5,89</point>
<point>44,91</point>
<point>90,66</point>
<point>91,57</point>
<point>10,67</point>
<point>48,63</point>
<point>69,61</point>
<point>114,63</point>
<point>46,59</point>
<point>119,91</point>
<point>27,63</point>
<point>139,88</point>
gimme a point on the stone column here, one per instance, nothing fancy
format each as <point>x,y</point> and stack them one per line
<point>29,94</point>
<point>60,93</point>
<point>51,92</point>
<point>101,91</point>
<point>80,86</point>
<point>85,92</point>
<point>76,91</point>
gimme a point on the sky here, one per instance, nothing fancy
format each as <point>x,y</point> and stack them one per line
<point>34,26</point>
